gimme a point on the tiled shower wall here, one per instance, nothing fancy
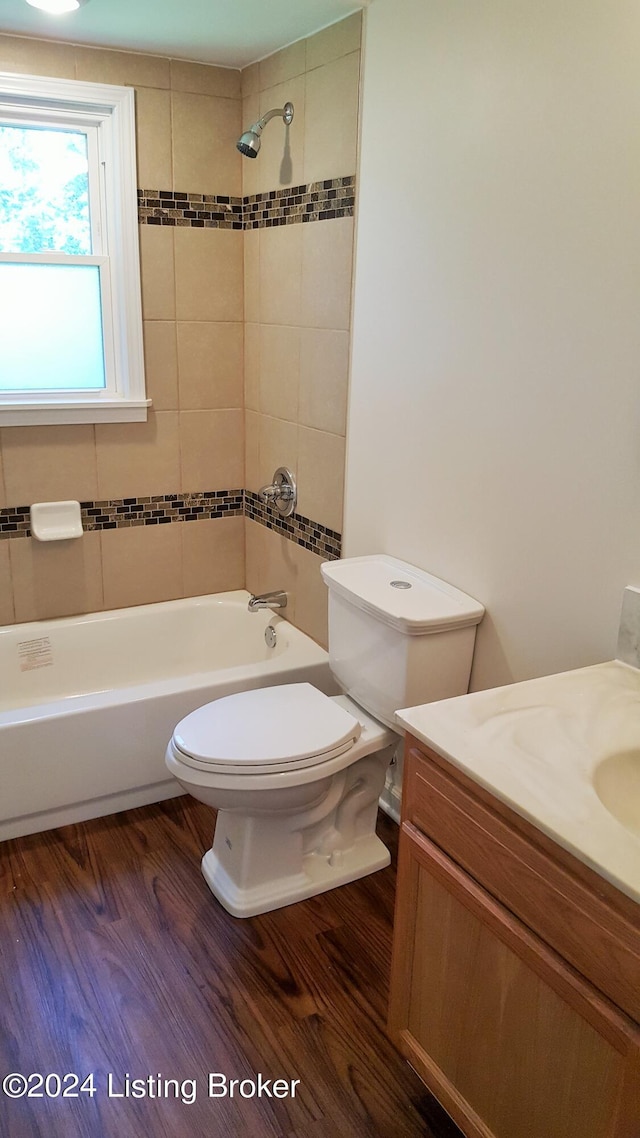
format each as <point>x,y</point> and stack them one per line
<point>189,456</point>
<point>297,304</point>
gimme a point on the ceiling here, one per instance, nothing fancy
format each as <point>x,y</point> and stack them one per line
<point>233,33</point>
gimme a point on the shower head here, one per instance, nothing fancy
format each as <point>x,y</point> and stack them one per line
<point>249,142</point>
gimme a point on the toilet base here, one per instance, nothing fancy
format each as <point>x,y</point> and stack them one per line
<point>320,872</point>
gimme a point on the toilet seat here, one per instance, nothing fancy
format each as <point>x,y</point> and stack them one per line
<point>266,730</point>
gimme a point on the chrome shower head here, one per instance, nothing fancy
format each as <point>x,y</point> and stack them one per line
<point>249,143</point>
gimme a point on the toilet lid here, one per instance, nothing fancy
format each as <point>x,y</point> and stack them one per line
<point>278,727</point>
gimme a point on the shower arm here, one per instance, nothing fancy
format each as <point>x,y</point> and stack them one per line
<point>285,113</point>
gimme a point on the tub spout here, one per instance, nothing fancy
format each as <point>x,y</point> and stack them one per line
<point>277,600</point>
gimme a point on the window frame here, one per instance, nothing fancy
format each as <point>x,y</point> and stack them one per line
<point>109,113</point>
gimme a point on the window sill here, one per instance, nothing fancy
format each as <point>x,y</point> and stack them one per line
<point>81,411</point>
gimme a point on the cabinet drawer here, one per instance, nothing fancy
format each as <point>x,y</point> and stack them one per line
<point>582,926</point>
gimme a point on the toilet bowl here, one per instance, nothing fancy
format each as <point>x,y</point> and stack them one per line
<point>296,775</point>
<point>292,824</point>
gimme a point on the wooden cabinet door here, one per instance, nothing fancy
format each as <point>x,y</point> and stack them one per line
<point>510,1039</point>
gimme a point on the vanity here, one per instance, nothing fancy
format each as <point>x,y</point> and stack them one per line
<point>515,988</point>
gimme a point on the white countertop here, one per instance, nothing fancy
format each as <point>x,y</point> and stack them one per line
<point>535,745</point>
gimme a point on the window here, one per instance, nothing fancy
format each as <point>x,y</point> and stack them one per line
<point>70,313</point>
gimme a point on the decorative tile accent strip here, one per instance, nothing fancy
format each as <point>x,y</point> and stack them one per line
<point>317,201</point>
<point>200,211</point>
<point>313,536</point>
<point>14,522</point>
<point>122,513</point>
<point>162,509</point>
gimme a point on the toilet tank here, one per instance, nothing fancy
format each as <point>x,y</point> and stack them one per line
<point>397,636</point>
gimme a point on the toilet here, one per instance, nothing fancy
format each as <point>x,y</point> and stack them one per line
<point>295,774</point>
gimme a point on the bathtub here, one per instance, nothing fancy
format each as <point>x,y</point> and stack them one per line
<point>89,703</point>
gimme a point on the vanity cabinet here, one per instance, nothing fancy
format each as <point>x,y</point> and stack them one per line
<point>516,970</point>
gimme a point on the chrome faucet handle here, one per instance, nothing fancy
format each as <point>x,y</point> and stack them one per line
<point>282,494</point>
<point>269,493</point>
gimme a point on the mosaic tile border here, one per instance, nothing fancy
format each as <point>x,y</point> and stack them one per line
<point>161,509</point>
<point>164,509</point>
<point>313,536</point>
<point>315,201</point>
<point>199,211</point>
<point>122,513</point>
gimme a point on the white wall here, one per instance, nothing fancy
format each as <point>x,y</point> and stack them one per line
<point>494,433</point>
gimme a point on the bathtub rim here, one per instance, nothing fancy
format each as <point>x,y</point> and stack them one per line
<point>76,703</point>
<point>232,596</point>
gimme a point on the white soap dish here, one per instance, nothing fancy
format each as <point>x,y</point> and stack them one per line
<point>55,521</point>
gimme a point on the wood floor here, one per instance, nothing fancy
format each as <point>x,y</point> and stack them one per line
<point>115,959</point>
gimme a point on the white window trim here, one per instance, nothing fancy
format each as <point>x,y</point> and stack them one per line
<point>115,107</point>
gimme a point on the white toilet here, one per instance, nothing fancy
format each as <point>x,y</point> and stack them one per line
<point>296,775</point>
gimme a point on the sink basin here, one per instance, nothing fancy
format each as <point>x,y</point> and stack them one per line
<point>616,781</point>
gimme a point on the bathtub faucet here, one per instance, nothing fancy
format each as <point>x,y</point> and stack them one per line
<point>282,495</point>
<point>277,600</point>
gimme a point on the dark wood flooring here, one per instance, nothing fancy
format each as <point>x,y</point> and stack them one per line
<point>115,959</point>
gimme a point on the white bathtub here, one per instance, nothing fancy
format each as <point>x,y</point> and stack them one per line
<point>89,703</point>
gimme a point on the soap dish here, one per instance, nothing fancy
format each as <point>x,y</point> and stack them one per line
<point>55,521</point>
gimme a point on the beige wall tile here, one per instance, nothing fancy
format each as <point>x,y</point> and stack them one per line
<point>281,158</point>
<point>124,68</point>
<point>212,446</point>
<point>331,119</point>
<point>7,615</point>
<point>279,371</point>
<point>48,464</point>
<point>251,249</point>
<point>321,477</point>
<point>250,79</point>
<point>271,564</point>
<point>141,565</point>
<point>250,112</point>
<point>210,365</point>
<point>208,274</point>
<point>252,451</point>
<point>37,57</point>
<point>327,258</point>
<point>281,273</point>
<point>161,364</point>
<point>212,555</point>
<point>205,131</point>
<point>153,134</point>
<point>332,42</point>
<point>249,176</point>
<point>203,79</point>
<point>3,492</point>
<point>278,447</point>
<point>324,375</point>
<point>312,614</point>
<point>252,366</point>
<point>57,578</point>
<point>250,166</point>
<point>139,459</point>
<point>283,65</point>
<point>157,271</point>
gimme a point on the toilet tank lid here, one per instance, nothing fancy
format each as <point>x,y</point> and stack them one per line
<point>401,595</point>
